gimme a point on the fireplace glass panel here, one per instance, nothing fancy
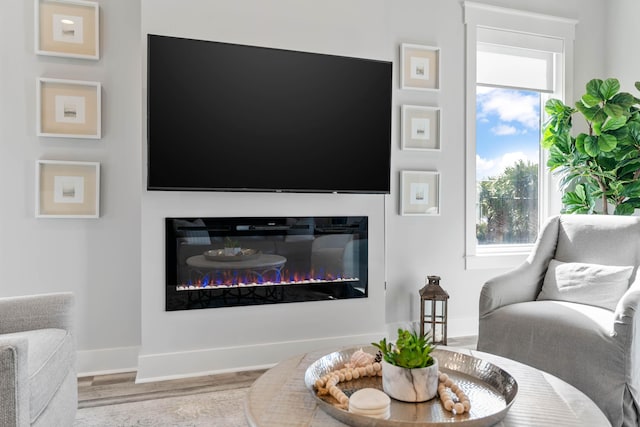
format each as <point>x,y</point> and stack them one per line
<point>224,262</point>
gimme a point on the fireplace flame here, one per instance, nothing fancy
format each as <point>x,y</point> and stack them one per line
<point>234,279</point>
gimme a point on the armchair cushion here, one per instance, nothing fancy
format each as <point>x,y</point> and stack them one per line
<point>538,333</point>
<point>592,284</point>
<point>50,358</point>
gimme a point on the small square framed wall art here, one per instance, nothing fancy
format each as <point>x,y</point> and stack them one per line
<point>419,193</point>
<point>420,128</point>
<point>68,28</point>
<point>67,189</point>
<point>68,108</point>
<point>419,67</point>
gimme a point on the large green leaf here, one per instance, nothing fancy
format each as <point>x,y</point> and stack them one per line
<point>556,158</point>
<point>589,100</point>
<point>580,142</point>
<point>591,146</point>
<point>555,106</point>
<point>614,110</point>
<point>624,209</point>
<point>628,167</point>
<point>590,113</point>
<point>631,189</point>
<point>609,88</point>
<point>600,116</point>
<point>606,163</point>
<point>578,201</point>
<point>623,99</point>
<point>621,134</point>
<point>607,142</point>
<point>614,123</point>
<point>593,88</point>
<point>638,85</point>
<point>634,132</point>
<point>635,202</point>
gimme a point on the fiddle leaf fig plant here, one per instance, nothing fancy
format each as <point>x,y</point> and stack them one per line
<point>598,168</point>
<point>409,351</point>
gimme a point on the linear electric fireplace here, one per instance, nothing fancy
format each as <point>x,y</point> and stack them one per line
<point>225,262</point>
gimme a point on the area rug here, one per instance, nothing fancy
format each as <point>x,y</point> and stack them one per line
<point>219,408</point>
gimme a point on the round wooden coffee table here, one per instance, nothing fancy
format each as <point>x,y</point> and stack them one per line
<point>279,398</point>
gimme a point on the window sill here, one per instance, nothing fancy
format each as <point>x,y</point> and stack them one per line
<point>495,260</point>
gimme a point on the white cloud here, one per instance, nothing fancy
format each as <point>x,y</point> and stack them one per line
<point>512,107</point>
<point>509,159</point>
<point>493,167</point>
<point>502,129</point>
<point>484,167</point>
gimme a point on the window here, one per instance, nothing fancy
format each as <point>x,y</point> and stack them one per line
<point>516,61</point>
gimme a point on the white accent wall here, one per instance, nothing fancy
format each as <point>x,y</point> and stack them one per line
<point>97,259</point>
<point>115,264</point>
<point>618,55</point>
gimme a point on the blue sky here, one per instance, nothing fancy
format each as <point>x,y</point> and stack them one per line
<point>507,129</point>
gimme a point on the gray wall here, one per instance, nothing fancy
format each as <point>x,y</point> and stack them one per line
<point>114,264</point>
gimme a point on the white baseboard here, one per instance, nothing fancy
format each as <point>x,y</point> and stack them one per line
<point>157,367</point>
<point>174,365</point>
<point>107,361</point>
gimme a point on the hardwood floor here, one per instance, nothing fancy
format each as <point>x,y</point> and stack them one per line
<point>111,389</point>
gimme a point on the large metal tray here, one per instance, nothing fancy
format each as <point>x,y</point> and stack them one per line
<point>491,392</point>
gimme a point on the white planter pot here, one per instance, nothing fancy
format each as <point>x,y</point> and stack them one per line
<point>410,385</point>
<point>232,251</point>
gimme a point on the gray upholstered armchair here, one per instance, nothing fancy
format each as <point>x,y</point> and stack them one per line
<point>38,383</point>
<point>572,310</point>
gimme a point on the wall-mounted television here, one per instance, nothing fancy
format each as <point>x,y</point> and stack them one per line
<point>230,117</point>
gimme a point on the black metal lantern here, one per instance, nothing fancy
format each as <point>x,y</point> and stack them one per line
<point>433,310</point>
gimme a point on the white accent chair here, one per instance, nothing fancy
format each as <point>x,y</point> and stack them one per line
<point>577,332</point>
<point>38,382</point>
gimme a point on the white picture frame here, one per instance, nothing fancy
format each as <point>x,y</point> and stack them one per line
<point>67,189</point>
<point>67,28</point>
<point>68,108</point>
<point>420,128</point>
<point>419,67</point>
<point>419,193</point>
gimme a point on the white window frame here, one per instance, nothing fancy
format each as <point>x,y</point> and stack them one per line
<point>477,15</point>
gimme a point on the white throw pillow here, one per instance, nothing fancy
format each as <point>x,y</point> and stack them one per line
<point>592,284</point>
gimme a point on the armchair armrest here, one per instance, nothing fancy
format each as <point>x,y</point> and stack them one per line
<point>30,312</point>
<point>626,332</point>
<point>629,304</point>
<point>522,283</point>
<point>517,285</point>
<point>626,320</point>
<point>14,388</point>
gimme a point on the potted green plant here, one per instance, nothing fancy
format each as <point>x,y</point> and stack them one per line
<point>598,168</point>
<point>231,247</point>
<point>409,371</point>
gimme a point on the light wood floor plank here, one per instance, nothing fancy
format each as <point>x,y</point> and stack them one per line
<point>121,388</point>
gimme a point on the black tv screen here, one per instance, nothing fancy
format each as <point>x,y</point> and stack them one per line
<point>229,117</point>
